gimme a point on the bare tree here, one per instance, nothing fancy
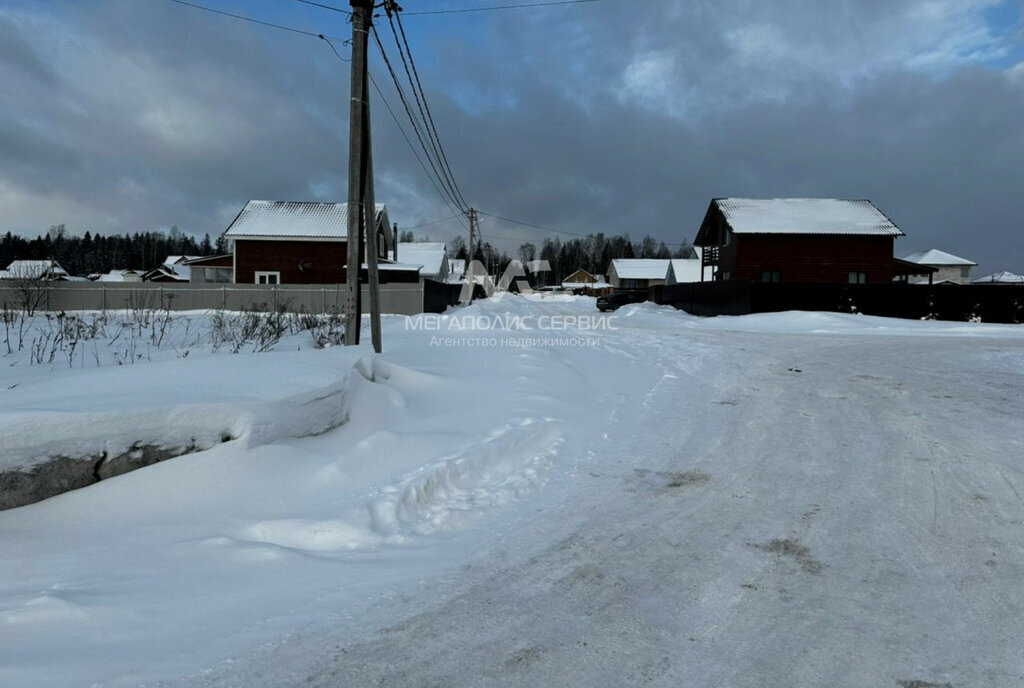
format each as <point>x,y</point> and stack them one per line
<point>28,280</point>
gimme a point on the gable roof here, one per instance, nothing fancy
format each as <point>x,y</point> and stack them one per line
<point>431,255</point>
<point>686,269</point>
<point>805,216</point>
<point>35,269</point>
<point>1001,277</point>
<point>640,268</point>
<point>936,257</point>
<point>294,219</point>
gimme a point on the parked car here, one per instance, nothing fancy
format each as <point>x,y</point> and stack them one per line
<point>615,300</point>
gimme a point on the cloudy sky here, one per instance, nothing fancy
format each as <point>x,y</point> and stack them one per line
<point>615,116</point>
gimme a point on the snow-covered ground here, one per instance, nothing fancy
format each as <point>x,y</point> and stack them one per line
<point>780,499</point>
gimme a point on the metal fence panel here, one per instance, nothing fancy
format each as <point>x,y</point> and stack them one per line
<point>403,299</point>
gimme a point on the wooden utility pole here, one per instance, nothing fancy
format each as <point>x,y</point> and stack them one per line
<point>358,144</point>
<point>370,225</point>
<point>469,260</point>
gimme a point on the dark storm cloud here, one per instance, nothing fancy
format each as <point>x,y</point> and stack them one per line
<point>131,115</point>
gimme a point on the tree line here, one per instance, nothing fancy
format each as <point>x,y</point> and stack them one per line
<point>95,253</point>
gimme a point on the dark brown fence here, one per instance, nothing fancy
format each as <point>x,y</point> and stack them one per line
<point>438,296</point>
<point>987,303</point>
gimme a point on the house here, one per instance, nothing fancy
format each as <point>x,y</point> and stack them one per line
<point>1001,277</point>
<point>173,269</point>
<point>43,270</point>
<point>637,273</point>
<point>432,256</point>
<point>582,281</point>
<point>949,268</point>
<point>822,240</point>
<point>211,269</point>
<point>298,242</point>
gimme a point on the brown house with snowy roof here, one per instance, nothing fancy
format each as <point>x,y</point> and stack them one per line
<point>298,242</point>
<point>822,240</point>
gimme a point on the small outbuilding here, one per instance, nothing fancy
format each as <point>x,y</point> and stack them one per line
<point>432,256</point>
<point>948,268</point>
<point>637,273</point>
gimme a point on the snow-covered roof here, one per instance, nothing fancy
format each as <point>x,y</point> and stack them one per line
<point>118,276</point>
<point>686,269</point>
<point>641,268</point>
<point>1001,277</point>
<point>34,269</point>
<point>805,216</point>
<point>936,257</point>
<point>403,267</point>
<point>430,254</point>
<point>293,219</point>
<point>174,260</point>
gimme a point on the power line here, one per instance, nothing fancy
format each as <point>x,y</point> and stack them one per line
<point>559,231</point>
<point>326,7</point>
<point>502,7</point>
<point>254,21</point>
<point>412,120</point>
<point>463,10</point>
<point>412,148</point>
<point>435,222</point>
<point>419,86</point>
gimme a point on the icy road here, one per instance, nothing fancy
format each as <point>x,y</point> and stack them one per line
<point>779,500</point>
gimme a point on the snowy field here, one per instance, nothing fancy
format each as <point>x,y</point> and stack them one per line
<point>793,499</point>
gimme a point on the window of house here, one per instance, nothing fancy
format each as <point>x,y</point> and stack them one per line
<point>964,272</point>
<point>771,275</point>
<point>858,278</point>
<point>268,278</point>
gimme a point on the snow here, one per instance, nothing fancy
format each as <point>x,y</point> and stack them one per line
<point>1002,277</point>
<point>293,219</point>
<point>805,216</point>
<point>936,257</point>
<point>688,270</point>
<point>431,255</point>
<point>34,269</point>
<point>778,499</point>
<point>640,268</point>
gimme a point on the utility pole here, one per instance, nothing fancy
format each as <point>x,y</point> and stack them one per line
<point>469,260</point>
<point>370,223</point>
<point>358,144</point>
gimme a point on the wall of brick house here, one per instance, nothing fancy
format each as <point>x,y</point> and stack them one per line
<point>810,258</point>
<point>299,262</point>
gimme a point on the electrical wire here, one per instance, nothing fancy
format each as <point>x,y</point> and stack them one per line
<point>435,222</point>
<point>464,10</point>
<point>254,21</point>
<point>559,231</point>
<point>326,7</point>
<point>429,118</point>
<point>457,212</point>
<point>501,7</point>
<point>412,119</point>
